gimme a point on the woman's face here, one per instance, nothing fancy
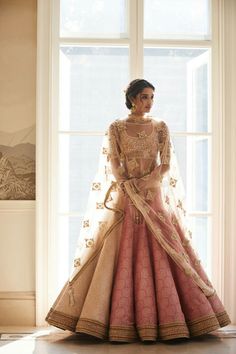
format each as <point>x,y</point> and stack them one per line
<point>144,101</point>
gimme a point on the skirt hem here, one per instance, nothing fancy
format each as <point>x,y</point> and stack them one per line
<point>163,332</point>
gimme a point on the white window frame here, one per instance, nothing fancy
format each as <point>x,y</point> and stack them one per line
<point>47,130</point>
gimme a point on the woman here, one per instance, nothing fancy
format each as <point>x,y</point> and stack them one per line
<point>136,275</point>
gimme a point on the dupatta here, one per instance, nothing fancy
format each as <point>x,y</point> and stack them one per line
<point>111,186</point>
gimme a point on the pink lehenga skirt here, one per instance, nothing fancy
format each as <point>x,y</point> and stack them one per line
<point>132,290</point>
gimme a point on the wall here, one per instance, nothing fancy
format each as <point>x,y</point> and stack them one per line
<point>17,112</point>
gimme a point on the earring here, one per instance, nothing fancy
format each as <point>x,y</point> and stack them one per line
<point>133,108</point>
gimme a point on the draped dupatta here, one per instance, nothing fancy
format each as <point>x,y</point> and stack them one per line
<point>110,189</point>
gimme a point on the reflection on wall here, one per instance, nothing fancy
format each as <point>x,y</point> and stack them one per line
<point>17,164</point>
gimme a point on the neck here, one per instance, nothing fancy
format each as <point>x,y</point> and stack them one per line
<point>137,115</point>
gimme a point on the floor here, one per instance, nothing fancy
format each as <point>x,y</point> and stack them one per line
<point>49,340</point>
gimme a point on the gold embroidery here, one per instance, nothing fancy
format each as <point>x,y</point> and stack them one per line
<point>167,199</point>
<point>99,206</point>
<point>196,276</point>
<point>161,216</point>
<point>121,170</point>
<point>173,182</point>
<point>180,204</point>
<point>185,256</point>
<point>174,220</point>
<point>86,223</point>
<point>105,151</point>
<point>89,242</point>
<point>77,262</point>
<point>96,186</point>
<point>142,135</point>
<point>150,195</point>
<point>107,170</point>
<point>185,242</point>
<point>187,271</point>
<point>174,236</point>
<point>196,327</point>
<point>132,164</point>
<point>102,225</point>
<point>120,125</point>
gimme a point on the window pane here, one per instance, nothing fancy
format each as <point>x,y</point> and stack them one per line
<point>182,19</point>
<point>194,156</point>
<point>201,239</point>
<point>78,163</point>
<point>93,18</point>
<point>92,80</point>
<point>181,78</point>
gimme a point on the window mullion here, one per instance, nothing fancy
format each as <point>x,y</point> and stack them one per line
<point>140,21</point>
<point>133,25</point>
<point>94,41</point>
<point>177,43</point>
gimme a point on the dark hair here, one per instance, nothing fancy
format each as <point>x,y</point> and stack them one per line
<point>134,88</point>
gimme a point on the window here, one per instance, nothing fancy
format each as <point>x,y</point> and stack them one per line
<point>101,46</point>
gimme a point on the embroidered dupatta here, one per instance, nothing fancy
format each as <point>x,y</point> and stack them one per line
<point>110,188</point>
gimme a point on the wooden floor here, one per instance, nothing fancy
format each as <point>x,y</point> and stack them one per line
<point>48,340</point>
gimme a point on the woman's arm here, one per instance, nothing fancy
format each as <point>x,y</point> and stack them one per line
<point>115,155</point>
<point>153,178</point>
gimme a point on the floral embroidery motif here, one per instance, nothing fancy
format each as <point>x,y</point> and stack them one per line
<point>77,262</point>
<point>150,195</point>
<point>180,205</point>
<point>167,199</point>
<point>142,135</point>
<point>173,182</point>
<point>102,225</point>
<point>174,220</point>
<point>107,170</point>
<point>174,236</point>
<point>99,206</point>
<point>86,223</point>
<point>132,164</point>
<point>89,242</point>
<point>161,216</point>
<point>120,125</point>
<point>96,186</point>
<point>105,151</point>
<point>185,256</point>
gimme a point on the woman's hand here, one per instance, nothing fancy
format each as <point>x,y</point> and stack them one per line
<point>149,181</point>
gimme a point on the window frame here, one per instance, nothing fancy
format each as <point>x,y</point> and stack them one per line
<point>47,132</point>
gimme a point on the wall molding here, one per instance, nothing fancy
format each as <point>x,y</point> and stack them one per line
<point>17,295</point>
<point>17,206</point>
<point>17,308</point>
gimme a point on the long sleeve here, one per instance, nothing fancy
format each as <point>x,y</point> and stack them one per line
<point>115,154</point>
<point>164,143</point>
<point>156,174</point>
